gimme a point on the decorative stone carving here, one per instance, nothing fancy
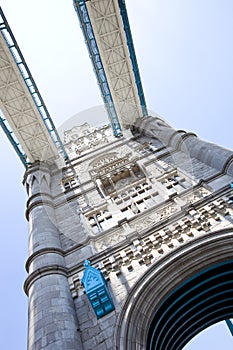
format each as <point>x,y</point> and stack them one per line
<point>196,195</point>
<point>169,210</point>
<point>85,138</point>
<point>146,222</point>
<point>153,218</point>
<point>104,160</point>
<point>76,132</point>
<point>107,164</point>
<point>110,240</point>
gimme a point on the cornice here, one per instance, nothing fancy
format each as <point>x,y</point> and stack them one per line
<point>42,272</point>
<point>37,204</point>
<point>42,252</point>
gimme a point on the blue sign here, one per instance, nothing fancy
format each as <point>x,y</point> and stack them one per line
<point>97,291</point>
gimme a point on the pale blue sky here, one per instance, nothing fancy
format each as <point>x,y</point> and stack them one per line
<point>185,54</point>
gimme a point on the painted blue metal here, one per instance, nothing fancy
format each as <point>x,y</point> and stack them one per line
<point>198,324</point>
<point>97,291</point>
<point>202,296</point>
<point>199,309</point>
<point>93,50</point>
<point>31,85</point>
<point>11,137</point>
<point>189,306</point>
<point>132,54</point>
<point>230,325</point>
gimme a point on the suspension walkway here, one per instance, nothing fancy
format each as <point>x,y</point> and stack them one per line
<point>107,33</point>
<point>23,114</point>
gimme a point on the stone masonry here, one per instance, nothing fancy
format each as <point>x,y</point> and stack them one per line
<point>123,203</point>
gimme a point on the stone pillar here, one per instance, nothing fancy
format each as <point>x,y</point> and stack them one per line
<point>213,155</point>
<point>52,317</point>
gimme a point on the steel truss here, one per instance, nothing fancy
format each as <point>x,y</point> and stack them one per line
<point>108,37</point>
<point>25,118</point>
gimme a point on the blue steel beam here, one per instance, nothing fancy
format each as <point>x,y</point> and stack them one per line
<point>32,88</point>
<point>230,325</point>
<point>199,302</point>
<point>85,23</point>
<point>132,54</point>
<point>11,137</point>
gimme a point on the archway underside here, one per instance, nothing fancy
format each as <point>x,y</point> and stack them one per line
<point>180,295</point>
<point>200,302</point>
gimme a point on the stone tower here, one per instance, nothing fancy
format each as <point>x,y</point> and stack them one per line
<point>150,213</point>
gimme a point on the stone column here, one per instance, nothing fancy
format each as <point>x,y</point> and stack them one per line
<point>52,317</point>
<point>213,155</point>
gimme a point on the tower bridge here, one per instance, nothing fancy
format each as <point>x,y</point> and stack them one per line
<point>150,213</point>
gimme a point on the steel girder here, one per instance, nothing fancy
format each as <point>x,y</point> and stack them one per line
<point>25,118</point>
<point>108,37</point>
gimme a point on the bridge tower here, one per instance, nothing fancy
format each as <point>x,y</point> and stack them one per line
<point>130,224</point>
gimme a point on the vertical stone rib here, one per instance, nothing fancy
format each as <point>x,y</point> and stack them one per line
<point>213,155</point>
<point>52,317</point>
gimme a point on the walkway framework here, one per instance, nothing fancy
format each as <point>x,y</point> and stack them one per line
<point>24,116</point>
<point>107,33</point>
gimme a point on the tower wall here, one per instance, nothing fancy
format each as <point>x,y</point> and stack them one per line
<point>125,204</point>
<point>52,316</point>
<point>208,153</point>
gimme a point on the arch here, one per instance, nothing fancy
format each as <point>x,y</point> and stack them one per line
<point>104,160</point>
<point>156,300</point>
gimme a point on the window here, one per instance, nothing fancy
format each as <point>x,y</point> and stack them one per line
<point>121,178</point>
<point>175,183</point>
<point>137,199</point>
<point>101,221</point>
<point>69,183</point>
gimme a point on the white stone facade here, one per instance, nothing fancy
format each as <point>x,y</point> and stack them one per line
<point>126,204</point>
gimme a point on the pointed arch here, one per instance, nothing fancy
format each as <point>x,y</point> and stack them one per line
<point>44,180</point>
